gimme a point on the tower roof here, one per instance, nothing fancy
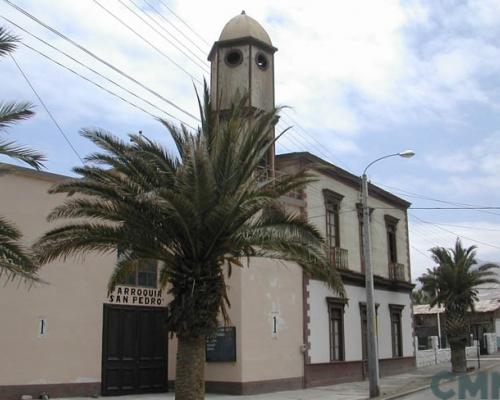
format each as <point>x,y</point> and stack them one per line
<point>243,29</point>
<point>243,26</point>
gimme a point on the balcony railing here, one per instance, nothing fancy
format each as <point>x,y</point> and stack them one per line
<point>339,258</point>
<point>397,272</point>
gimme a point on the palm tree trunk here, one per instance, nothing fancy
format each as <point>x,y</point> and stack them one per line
<point>190,375</point>
<point>456,331</point>
<point>458,358</point>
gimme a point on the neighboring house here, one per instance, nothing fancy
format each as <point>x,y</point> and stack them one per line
<point>72,338</point>
<point>430,322</point>
<point>336,328</point>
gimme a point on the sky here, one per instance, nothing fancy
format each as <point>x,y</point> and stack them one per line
<point>362,79</point>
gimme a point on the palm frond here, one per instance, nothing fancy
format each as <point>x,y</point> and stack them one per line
<point>8,42</point>
<point>24,154</point>
<point>10,113</point>
<point>15,260</point>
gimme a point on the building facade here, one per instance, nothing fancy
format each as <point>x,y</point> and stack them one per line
<point>336,328</point>
<point>71,338</point>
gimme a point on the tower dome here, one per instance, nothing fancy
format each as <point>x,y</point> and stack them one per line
<point>242,62</point>
<point>243,26</point>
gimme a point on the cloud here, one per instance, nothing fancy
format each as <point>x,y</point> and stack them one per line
<point>481,233</point>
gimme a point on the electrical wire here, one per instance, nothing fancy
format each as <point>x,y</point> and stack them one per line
<point>184,22</point>
<point>202,66</point>
<point>94,83</point>
<point>101,60</point>
<point>456,234</point>
<point>204,52</point>
<point>95,72</point>
<point>159,51</point>
<point>66,138</point>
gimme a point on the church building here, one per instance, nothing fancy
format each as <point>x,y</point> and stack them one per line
<point>70,338</point>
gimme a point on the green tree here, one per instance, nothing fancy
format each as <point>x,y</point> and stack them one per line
<point>454,285</point>
<point>420,296</point>
<point>15,260</point>
<point>197,214</point>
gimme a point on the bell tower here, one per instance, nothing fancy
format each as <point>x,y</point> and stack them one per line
<point>243,60</point>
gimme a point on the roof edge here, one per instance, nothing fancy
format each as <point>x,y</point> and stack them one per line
<point>33,173</point>
<point>345,176</point>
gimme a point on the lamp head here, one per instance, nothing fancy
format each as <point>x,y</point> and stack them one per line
<point>406,154</point>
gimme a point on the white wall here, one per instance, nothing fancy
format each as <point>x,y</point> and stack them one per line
<point>436,355</point>
<point>349,224</point>
<point>319,323</point>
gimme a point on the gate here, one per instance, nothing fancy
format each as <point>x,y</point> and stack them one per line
<point>134,350</point>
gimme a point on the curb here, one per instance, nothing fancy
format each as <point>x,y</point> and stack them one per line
<point>418,389</point>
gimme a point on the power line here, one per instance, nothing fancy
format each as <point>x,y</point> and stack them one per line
<point>421,252</point>
<point>452,208</point>
<point>173,26</point>
<point>92,82</point>
<point>96,57</point>
<point>469,227</point>
<point>159,51</point>
<point>420,196</point>
<point>46,109</point>
<point>184,22</point>
<point>318,142</point>
<point>456,234</point>
<point>202,66</point>
<point>96,72</point>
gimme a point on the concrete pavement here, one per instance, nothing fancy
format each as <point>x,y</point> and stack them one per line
<point>451,389</point>
<point>392,387</point>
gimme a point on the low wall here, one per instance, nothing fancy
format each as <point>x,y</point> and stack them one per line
<point>436,355</point>
<point>491,342</point>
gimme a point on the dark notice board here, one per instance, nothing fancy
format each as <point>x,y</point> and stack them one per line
<point>222,346</point>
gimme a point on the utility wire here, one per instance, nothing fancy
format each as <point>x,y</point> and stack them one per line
<point>421,252</point>
<point>456,234</point>
<point>94,83</point>
<point>423,197</point>
<point>204,52</point>
<point>478,228</point>
<point>159,51</point>
<point>202,66</point>
<point>96,57</point>
<point>96,72</point>
<point>46,109</point>
<point>452,208</point>
<point>321,145</point>
<point>184,22</point>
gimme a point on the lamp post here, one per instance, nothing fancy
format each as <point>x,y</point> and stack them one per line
<point>371,331</point>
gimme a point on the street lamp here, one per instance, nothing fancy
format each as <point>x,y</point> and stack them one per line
<point>371,331</point>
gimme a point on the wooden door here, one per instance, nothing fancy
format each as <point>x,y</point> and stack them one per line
<point>134,353</point>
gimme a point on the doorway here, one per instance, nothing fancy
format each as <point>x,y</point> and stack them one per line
<point>134,350</point>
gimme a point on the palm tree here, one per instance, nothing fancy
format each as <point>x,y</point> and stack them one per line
<point>420,296</point>
<point>454,284</point>
<point>198,214</point>
<point>14,259</point>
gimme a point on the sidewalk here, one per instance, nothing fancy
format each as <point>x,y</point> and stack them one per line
<point>390,386</point>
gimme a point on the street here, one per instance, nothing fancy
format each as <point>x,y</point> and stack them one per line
<point>484,384</point>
